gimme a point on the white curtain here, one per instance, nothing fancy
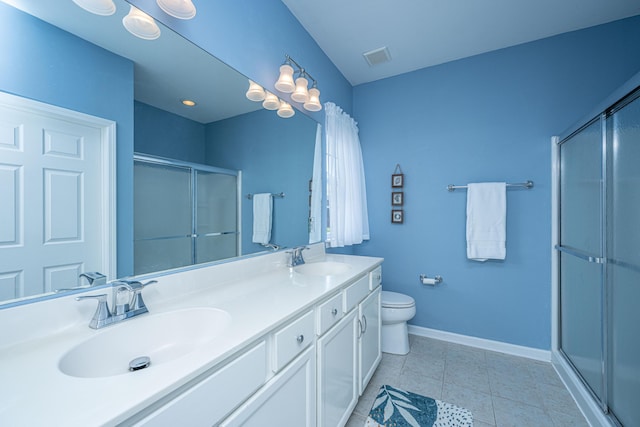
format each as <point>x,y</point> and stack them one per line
<point>348,220</point>
<point>315,218</point>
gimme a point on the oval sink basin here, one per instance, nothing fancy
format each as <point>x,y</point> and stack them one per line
<point>162,337</point>
<point>323,268</point>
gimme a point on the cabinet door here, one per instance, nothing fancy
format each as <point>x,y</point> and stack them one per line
<point>288,400</point>
<point>369,343</point>
<point>337,372</point>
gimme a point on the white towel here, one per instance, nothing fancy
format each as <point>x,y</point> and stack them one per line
<point>486,221</point>
<point>262,207</point>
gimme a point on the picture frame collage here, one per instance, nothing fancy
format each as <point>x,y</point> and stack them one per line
<point>397,196</point>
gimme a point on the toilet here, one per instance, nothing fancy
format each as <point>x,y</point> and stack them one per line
<point>397,309</point>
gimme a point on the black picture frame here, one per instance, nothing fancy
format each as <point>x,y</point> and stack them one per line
<point>397,198</point>
<point>397,180</point>
<point>397,216</point>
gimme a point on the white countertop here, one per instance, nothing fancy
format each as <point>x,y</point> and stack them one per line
<point>258,293</point>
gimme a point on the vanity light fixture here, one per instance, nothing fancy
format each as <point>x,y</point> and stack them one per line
<point>188,102</point>
<point>255,92</point>
<point>285,111</point>
<point>310,98</point>
<point>141,25</point>
<point>181,9</point>
<point>98,7</point>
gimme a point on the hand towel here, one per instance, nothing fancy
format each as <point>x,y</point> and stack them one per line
<point>262,207</point>
<point>486,221</point>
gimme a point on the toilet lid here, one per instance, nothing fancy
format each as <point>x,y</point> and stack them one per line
<point>396,300</point>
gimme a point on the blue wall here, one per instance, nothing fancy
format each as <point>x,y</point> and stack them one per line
<point>275,155</point>
<point>484,118</point>
<point>41,62</point>
<point>164,134</point>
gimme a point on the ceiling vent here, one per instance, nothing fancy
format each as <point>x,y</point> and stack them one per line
<point>377,56</point>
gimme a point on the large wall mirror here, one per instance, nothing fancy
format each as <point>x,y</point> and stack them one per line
<point>57,53</point>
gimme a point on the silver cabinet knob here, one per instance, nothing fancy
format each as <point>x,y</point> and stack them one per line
<point>300,338</point>
<point>334,311</point>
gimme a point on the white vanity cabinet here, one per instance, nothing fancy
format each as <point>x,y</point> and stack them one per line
<point>288,399</point>
<point>338,372</point>
<point>350,351</point>
<point>369,343</point>
<point>208,401</point>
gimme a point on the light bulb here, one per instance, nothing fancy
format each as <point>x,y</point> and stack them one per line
<point>285,81</point>
<point>141,25</point>
<point>99,7</point>
<point>285,111</point>
<point>255,92</point>
<point>271,102</point>
<point>313,104</point>
<point>300,94</point>
<point>181,9</point>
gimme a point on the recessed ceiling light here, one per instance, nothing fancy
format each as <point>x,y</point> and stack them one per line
<point>189,103</point>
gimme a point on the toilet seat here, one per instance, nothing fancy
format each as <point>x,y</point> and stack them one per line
<point>396,300</point>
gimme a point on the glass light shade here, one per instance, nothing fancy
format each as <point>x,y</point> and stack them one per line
<point>99,7</point>
<point>255,92</point>
<point>141,25</point>
<point>271,102</point>
<point>181,9</point>
<point>285,81</point>
<point>285,111</point>
<point>313,104</point>
<point>301,94</point>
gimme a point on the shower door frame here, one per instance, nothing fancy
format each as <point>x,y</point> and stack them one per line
<point>595,413</point>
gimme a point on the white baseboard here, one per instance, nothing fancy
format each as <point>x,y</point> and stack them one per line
<point>512,349</point>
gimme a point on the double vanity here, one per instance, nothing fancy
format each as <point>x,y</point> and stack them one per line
<point>249,342</point>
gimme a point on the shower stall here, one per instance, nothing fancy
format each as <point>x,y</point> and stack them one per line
<point>597,260</point>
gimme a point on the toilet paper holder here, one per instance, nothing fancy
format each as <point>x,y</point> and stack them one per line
<point>430,281</point>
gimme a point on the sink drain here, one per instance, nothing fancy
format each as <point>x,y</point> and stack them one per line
<point>139,363</point>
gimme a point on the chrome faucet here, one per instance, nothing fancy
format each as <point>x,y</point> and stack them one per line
<point>93,278</point>
<point>296,256</point>
<point>119,311</point>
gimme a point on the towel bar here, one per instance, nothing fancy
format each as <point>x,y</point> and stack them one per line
<point>281,195</point>
<point>527,185</point>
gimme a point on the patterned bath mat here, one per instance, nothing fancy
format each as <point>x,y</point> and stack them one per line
<point>398,408</point>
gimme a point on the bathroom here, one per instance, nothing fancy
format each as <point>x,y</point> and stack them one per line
<point>489,117</point>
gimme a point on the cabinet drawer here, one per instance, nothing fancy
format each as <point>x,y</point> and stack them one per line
<point>207,402</point>
<point>329,313</point>
<point>375,278</point>
<point>291,340</point>
<point>356,293</point>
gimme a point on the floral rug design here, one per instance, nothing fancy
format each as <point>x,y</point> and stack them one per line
<point>398,408</point>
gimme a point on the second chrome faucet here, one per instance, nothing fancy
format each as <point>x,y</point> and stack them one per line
<point>132,306</point>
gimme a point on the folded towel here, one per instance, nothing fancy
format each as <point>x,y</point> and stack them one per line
<point>262,207</point>
<point>486,221</point>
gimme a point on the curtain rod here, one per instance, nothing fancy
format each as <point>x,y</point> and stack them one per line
<point>527,185</point>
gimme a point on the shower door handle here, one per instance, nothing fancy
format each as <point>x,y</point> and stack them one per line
<point>580,254</point>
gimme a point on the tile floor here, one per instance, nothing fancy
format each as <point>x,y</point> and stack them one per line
<point>499,389</point>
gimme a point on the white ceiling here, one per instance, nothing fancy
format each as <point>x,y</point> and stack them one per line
<point>422,33</point>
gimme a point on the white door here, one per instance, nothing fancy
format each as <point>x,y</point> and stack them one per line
<point>51,205</point>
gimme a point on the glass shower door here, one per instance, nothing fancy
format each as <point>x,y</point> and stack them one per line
<point>217,216</point>
<point>581,261</point>
<point>624,263</point>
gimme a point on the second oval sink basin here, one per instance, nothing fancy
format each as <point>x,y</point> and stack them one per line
<point>323,268</point>
<point>161,337</point>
